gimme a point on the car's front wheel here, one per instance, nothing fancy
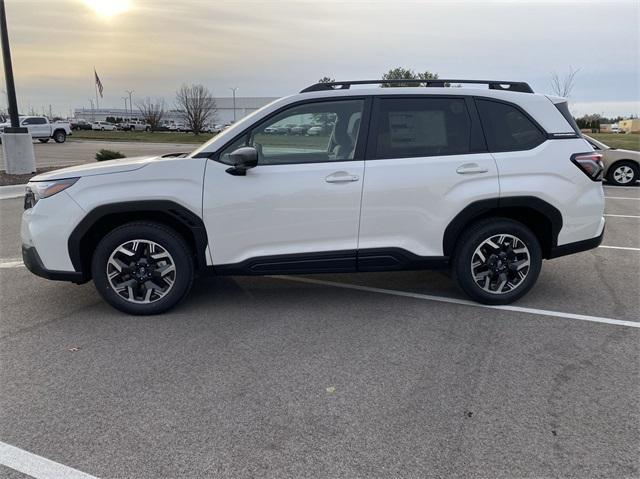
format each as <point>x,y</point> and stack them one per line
<point>497,261</point>
<point>142,268</point>
<point>623,173</point>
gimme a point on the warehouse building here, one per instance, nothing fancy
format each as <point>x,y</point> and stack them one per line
<point>225,111</point>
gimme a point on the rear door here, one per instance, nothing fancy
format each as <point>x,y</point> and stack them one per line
<point>426,161</point>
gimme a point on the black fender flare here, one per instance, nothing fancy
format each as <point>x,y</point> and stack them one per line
<point>179,215</point>
<point>494,206</point>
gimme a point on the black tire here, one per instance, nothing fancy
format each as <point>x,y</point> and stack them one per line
<point>497,268</point>
<point>43,140</point>
<point>59,136</point>
<point>167,239</point>
<point>615,177</point>
<point>147,129</point>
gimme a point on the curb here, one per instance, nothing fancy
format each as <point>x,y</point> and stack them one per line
<point>12,191</point>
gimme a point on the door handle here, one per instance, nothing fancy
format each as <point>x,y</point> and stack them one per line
<point>341,177</point>
<point>471,169</point>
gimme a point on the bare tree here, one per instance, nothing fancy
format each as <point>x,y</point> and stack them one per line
<point>152,111</point>
<point>197,105</point>
<point>326,80</point>
<point>563,86</point>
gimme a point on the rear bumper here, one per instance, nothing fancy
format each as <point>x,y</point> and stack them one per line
<point>32,261</point>
<point>576,247</point>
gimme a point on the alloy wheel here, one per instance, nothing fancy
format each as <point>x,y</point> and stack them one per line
<point>141,271</point>
<point>500,264</point>
<point>623,174</point>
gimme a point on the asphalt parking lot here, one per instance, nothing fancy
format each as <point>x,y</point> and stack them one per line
<point>75,152</point>
<point>370,375</point>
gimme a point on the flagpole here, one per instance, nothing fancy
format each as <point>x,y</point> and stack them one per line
<point>95,84</point>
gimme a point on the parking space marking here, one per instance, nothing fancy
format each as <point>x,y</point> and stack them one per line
<point>628,248</point>
<point>6,264</point>
<point>622,216</point>
<point>621,198</point>
<point>464,302</point>
<point>37,466</point>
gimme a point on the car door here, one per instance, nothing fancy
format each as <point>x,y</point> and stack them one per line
<point>32,126</point>
<point>426,161</point>
<point>298,209</point>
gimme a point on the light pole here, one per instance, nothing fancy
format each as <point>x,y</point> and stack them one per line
<point>93,112</point>
<point>125,105</point>
<point>130,92</point>
<point>17,145</point>
<point>234,102</point>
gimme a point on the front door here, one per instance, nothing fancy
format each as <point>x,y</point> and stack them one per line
<point>299,207</point>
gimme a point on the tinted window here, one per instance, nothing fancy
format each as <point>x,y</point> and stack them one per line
<point>311,133</point>
<point>564,109</point>
<point>507,128</point>
<point>412,127</point>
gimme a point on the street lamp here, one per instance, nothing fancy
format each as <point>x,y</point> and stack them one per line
<point>17,145</point>
<point>93,112</point>
<point>234,102</point>
<point>130,92</point>
<point>125,105</point>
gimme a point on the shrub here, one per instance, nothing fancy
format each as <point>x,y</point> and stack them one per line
<point>104,155</point>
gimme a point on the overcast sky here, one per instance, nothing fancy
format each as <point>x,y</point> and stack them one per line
<point>275,48</point>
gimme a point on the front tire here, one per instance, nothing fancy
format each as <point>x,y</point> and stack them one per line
<point>497,261</point>
<point>142,268</point>
<point>623,173</point>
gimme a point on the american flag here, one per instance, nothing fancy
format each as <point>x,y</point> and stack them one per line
<point>98,82</point>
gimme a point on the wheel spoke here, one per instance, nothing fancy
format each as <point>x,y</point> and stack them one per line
<point>500,263</point>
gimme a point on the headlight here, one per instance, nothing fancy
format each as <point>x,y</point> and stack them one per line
<point>37,190</point>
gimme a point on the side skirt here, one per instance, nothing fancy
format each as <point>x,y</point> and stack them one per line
<point>348,261</point>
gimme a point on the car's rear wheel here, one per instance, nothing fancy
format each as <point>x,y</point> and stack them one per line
<point>497,261</point>
<point>59,136</point>
<point>623,173</point>
<point>142,268</point>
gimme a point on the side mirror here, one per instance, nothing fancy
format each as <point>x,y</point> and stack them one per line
<point>243,159</point>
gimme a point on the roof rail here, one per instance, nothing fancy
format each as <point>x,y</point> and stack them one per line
<point>518,86</point>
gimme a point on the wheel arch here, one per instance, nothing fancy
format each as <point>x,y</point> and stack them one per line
<point>622,160</point>
<point>542,218</point>
<point>99,221</point>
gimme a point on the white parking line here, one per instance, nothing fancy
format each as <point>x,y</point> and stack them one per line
<point>6,264</point>
<point>622,216</point>
<point>444,299</point>
<point>628,248</point>
<point>621,198</point>
<point>37,466</point>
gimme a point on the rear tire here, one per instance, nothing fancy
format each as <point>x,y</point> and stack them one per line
<point>59,136</point>
<point>142,268</point>
<point>497,261</point>
<point>623,173</point>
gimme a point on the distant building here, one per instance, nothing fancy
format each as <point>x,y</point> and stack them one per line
<point>630,126</point>
<point>224,113</point>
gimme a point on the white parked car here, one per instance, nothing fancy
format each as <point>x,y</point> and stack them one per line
<point>43,130</point>
<point>103,125</point>
<point>486,182</point>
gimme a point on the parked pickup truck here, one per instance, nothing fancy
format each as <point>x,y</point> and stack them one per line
<point>136,126</point>
<point>42,130</point>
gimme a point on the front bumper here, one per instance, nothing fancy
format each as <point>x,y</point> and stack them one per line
<point>32,261</point>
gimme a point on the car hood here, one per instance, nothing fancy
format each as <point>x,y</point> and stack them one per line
<point>98,168</point>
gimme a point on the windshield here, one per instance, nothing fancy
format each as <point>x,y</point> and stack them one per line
<point>230,132</point>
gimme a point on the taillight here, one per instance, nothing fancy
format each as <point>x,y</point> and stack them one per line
<point>590,164</point>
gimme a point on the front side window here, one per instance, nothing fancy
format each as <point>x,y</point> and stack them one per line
<point>311,133</point>
<point>415,127</point>
<point>507,128</point>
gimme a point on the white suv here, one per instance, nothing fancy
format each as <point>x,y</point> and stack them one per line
<point>485,181</point>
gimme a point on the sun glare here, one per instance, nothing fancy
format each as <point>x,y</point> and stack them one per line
<point>108,8</point>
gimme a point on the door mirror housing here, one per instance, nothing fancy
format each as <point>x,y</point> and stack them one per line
<point>243,159</point>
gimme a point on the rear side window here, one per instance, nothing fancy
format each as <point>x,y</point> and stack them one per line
<point>414,127</point>
<point>507,128</point>
<point>564,109</point>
